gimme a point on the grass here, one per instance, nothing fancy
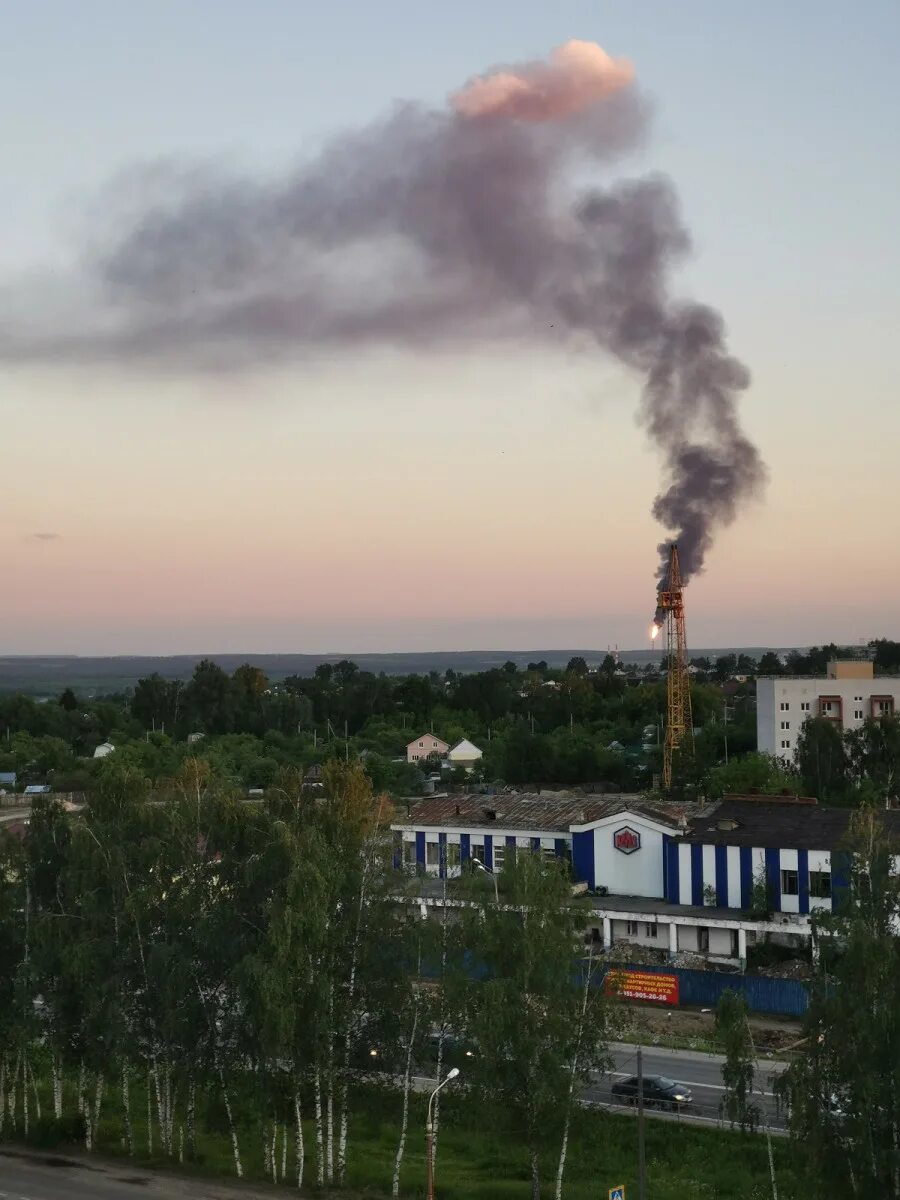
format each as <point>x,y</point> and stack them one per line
<point>478,1159</point>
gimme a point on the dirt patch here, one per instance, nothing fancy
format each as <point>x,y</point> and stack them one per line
<point>684,1026</point>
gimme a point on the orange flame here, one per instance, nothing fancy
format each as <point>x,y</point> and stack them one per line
<point>654,632</point>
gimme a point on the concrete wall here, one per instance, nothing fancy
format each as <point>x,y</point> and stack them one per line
<point>801,696</point>
<point>637,874</point>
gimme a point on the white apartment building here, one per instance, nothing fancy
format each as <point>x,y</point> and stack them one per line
<point>849,695</point>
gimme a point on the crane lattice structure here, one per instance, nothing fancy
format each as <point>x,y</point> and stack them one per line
<point>679,720</point>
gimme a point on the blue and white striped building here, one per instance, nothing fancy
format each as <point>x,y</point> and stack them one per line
<point>686,871</point>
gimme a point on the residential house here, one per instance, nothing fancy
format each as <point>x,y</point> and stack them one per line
<point>464,754</point>
<point>425,745</point>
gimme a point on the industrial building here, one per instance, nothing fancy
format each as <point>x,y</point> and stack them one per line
<point>675,876</point>
<point>849,695</point>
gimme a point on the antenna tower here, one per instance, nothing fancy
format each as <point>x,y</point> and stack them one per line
<point>670,613</point>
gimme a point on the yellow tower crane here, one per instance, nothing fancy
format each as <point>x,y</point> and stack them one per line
<point>670,613</point>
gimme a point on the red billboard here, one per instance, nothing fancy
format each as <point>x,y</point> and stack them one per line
<point>642,985</point>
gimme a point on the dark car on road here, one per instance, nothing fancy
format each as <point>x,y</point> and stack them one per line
<point>659,1092</point>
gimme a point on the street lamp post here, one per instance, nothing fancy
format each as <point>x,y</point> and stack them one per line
<point>479,865</point>
<point>429,1136</point>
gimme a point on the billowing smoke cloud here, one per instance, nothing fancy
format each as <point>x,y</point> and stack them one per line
<point>577,75</point>
<point>435,227</point>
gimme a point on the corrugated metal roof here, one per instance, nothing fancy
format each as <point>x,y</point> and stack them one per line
<point>553,812</point>
<point>779,823</point>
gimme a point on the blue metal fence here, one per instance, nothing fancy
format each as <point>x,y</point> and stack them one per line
<point>777,997</point>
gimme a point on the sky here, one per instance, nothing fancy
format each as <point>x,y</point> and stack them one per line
<point>371,498</point>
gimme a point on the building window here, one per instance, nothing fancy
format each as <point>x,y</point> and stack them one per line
<point>785,745</point>
<point>409,853</point>
<point>631,928</point>
<point>650,929</point>
<point>826,706</point>
<point>785,706</point>
<point>857,698</point>
<point>857,714</point>
<point>432,854</point>
<point>804,706</point>
<point>789,883</point>
<point>499,856</point>
<point>820,884</point>
<point>785,724</point>
<point>548,853</point>
<point>421,744</point>
<point>703,939</point>
<point>453,854</point>
<point>434,745</point>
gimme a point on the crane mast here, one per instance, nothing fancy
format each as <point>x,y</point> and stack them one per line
<point>670,614</point>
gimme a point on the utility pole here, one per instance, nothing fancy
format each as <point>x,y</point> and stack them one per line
<point>642,1166</point>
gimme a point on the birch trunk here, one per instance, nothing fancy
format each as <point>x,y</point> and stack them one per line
<point>564,1148</point>
<point>283,1151</point>
<point>191,1106</point>
<point>267,1164</point>
<point>329,1119</point>
<point>298,1137</point>
<point>404,1123</point>
<point>56,1073</point>
<point>442,1024</point>
<point>126,1109</point>
<point>13,1096</point>
<point>180,1142</point>
<point>37,1094</point>
<point>535,1177</point>
<point>81,1087</point>
<point>348,1018</point>
<point>98,1098</point>
<point>235,1148</point>
<point>2,1093</point>
<point>149,1114</point>
<point>25,1091</point>
<point>274,1154</point>
<point>320,1141</point>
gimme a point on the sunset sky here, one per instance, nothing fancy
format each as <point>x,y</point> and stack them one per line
<point>496,496</point>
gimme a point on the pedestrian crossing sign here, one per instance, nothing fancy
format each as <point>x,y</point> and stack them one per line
<point>617,1193</point>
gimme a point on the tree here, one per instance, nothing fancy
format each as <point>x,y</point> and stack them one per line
<point>535,1024</point>
<point>843,1090</point>
<point>733,1032</point>
<point>751,773</point>
<point>822,760</point>
<point>725,666</point>
<point>873,752</point>
<point>770,664</point>
<point>68,700</point>
<point>577,666</point>
<point>210,698</point>
<point>156,702</point>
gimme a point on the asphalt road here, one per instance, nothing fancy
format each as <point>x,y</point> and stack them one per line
<point>36,1176</point>
<point>701,1072</point>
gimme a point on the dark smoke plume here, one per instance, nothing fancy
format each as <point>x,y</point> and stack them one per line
<point>434,227</point>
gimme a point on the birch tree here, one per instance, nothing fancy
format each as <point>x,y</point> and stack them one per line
<point>538,1031</point>
<point>843,1090</point>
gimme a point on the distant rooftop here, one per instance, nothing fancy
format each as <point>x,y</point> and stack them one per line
<point>553,812</point>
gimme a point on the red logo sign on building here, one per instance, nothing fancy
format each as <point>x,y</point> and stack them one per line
<point>627,839</point>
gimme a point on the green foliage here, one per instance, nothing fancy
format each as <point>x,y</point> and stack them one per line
<point>752,773</point>
<point>822,760</point>
<point>733,1032</point>
<point>843,1089</point>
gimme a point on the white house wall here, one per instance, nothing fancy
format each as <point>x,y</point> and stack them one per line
<point>684,874</point>
<point>733,864</point>
<point>637,874</point>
